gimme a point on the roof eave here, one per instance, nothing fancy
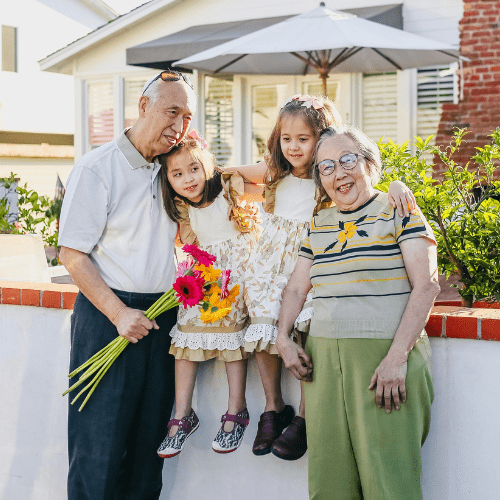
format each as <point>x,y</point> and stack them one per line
<point>62,58</point>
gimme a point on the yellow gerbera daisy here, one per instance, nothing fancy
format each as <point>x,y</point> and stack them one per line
<point>208,273</point>
<point>231,296</point>
<point>211,317</point>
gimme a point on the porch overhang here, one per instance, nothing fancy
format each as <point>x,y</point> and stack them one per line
<point>164,51</point>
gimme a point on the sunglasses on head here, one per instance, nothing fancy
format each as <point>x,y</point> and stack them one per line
<point>170,76</point>
<point>347,162</point>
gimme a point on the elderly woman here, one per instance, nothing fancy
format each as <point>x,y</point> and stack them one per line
<point>375,278</point>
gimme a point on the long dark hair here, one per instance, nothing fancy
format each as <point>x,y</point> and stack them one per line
<point>317,119</point>
<point>213,184</point>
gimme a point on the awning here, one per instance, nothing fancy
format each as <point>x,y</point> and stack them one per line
<point>164,51</point>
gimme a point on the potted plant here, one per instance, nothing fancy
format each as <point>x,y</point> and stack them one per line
<point>463,208</point>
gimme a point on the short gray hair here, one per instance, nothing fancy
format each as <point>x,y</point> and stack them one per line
<point>152,89</point>
<point>366,146</point>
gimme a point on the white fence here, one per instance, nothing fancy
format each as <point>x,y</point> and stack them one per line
<point>461,457</point>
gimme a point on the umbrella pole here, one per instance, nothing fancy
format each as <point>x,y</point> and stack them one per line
<point>323,77</point>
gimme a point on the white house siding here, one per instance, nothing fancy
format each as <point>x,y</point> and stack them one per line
<point>106,60</point>
<point>39,173</point>
<point>32,100</point>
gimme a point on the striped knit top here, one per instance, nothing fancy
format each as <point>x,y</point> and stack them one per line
<point>360,283</point>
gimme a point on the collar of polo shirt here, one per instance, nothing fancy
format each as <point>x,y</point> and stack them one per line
<point>133,157</point>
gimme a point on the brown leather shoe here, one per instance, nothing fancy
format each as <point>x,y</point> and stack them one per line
<point>292,444</point>
<point>271,425</point>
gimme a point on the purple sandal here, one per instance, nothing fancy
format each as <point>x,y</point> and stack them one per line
<point>226,442</point>
<point>172,446</point>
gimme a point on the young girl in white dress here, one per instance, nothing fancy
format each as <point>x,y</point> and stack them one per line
<point>290,201</point>
<point>210,211</point>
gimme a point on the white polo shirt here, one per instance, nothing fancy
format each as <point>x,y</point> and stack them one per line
<point>113,211</point>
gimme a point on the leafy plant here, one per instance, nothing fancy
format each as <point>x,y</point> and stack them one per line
<point>463,208</point>
<point>36,213</point>
<point>7,218</point>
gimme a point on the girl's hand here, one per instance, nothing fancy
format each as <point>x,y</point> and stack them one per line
<point>389,381</point>
<point>401,198</point>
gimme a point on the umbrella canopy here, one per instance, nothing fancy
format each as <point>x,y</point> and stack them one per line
<point>322,41</point>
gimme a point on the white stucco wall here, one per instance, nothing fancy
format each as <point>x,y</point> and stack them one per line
<point>460,457</point>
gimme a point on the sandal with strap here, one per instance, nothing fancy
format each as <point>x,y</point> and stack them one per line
<point>172,445</point>
<point>226,442</point>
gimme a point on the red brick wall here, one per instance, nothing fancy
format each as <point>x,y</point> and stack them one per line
<point>479,110</point>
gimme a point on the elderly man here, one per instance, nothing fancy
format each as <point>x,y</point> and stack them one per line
<point>118,246</point>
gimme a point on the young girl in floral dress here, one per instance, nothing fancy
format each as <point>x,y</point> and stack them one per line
<point>209,209</point>
<point>290,201</point>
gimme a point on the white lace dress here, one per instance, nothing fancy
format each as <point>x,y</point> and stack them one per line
<point>273,261</point>
<point>191,338</point>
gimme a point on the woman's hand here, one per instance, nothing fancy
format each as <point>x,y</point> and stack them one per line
<point>402,199</point>
<point>389,382</point>
<point>295,359</point>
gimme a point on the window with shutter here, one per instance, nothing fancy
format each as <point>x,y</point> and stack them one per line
<point>100,112</point>
<point>380,106</point>
<point>434,87</point>
<point>219,117</point>
<point>266,102</point>
<point>315,88</point>
<point>132,92</point>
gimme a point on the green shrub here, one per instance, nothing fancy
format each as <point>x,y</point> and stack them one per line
<point>463,208</point>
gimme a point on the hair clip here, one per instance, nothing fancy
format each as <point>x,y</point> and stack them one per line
<point>307,101</point>
<point>194,135</point>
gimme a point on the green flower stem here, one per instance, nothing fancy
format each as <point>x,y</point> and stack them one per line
<point>159,301</point>
<point>106,368</point>
<point>170,304</point>
<point>97,363</point>
<point>92,369</point>
<point>99,370</point>
<point>161,305</point>
<point>166,298</point>
<point>94,358</point>
<point>101,361</point>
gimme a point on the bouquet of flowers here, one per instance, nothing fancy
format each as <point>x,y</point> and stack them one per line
<point>197,283</point>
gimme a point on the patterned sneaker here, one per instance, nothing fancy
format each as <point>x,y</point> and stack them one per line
<point>226,442</point>
<point>172,446</point>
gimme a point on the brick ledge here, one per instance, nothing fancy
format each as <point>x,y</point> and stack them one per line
<point>446,321</point>
<point>49,295</point>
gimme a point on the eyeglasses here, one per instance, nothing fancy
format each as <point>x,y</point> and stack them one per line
<point>170,76</point>
<point>347,162</point>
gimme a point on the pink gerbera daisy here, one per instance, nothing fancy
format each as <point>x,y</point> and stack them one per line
<point>199,255</point>
<point>183,268</point>
<point>189,290</point>
<point>223,283</point>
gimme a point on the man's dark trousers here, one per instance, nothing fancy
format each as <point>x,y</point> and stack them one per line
<point>112,442</point>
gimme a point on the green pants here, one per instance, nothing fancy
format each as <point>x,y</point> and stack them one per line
<point>357,450</point>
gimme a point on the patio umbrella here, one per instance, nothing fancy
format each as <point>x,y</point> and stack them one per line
<point>322,41</point>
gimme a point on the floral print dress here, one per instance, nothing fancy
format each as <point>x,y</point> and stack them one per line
<point>218,235</point>
<point>291,205</point>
